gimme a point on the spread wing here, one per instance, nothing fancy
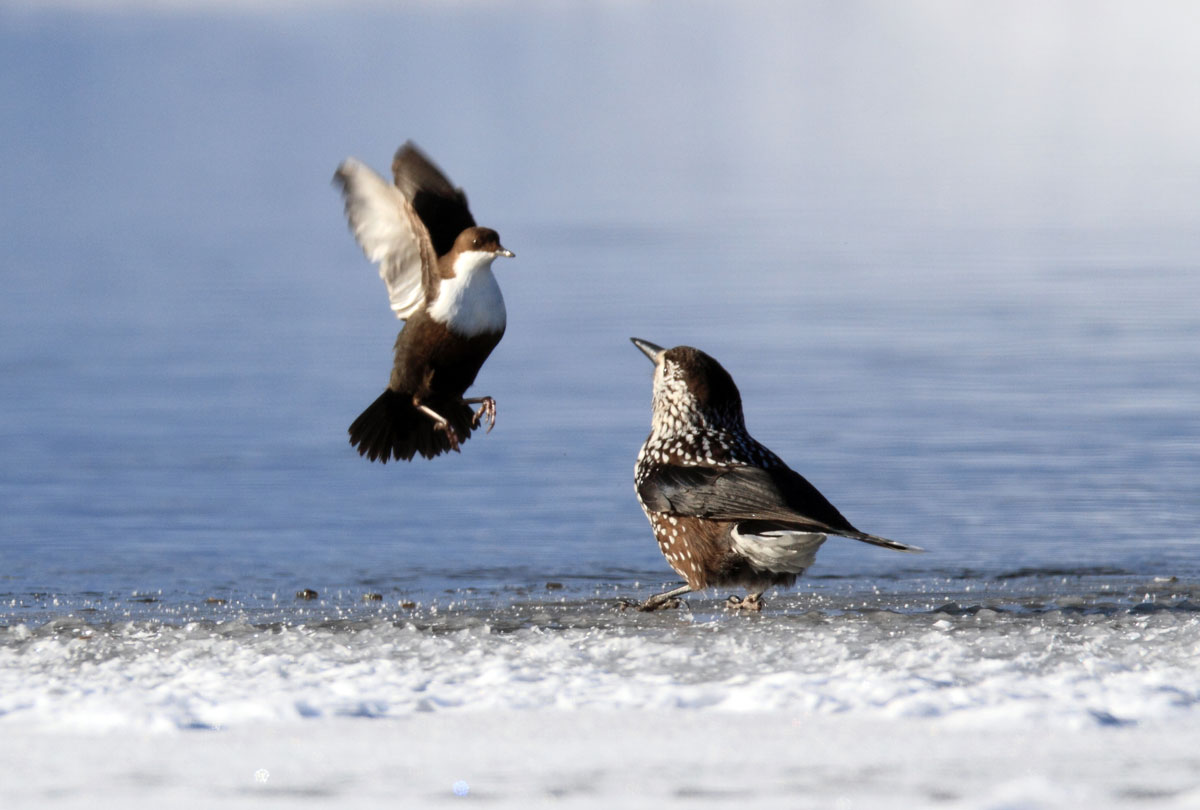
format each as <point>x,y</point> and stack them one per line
<point>441,206</point>
<point>750,494</point>
<point>390,233</point>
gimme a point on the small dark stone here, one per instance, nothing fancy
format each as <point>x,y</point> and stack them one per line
<point>554,586</point>
<point>372,597</point>
<point>307,593</point>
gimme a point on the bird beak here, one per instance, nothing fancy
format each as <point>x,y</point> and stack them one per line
<point>648,349</point>
<point>506,252</point>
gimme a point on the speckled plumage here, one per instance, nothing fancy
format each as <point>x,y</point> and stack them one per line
<point>725,510</point>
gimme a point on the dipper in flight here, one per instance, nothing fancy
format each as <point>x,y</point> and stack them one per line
<point>726,511</point>
<point>437,265</point>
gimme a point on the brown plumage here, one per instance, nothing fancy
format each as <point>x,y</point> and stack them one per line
<point>726,511</point>
<point>436,264</point>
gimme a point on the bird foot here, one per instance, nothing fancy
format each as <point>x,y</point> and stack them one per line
<point>448,429</point>
<point>439,423</point>
<point>753,603</point>
<point>652,604</point>
<point>487,411</point>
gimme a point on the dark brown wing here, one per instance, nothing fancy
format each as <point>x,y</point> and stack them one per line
<point>749,493</point>
<point>441,206</point>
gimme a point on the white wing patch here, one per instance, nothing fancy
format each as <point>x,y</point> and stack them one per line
<point>790,552</point>
<point>470,304</point>
<point>390,233</point>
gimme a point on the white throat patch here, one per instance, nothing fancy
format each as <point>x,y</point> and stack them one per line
<point>470,304</point>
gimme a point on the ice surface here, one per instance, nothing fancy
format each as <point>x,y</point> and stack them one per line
<point>1080,660</point>
<point>1005,699</point>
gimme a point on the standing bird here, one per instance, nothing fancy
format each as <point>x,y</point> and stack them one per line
<point>437,265</point>
<point>727,511</point>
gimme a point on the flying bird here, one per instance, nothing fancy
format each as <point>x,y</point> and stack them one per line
<point>437,265</point>
<point>726,511</point>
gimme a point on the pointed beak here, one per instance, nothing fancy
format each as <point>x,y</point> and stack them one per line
<point>648,349</point>
<point>503,251</point>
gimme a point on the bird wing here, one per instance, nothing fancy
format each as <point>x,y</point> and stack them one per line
<point>391,235</point>
<point>441,206</point>
<point>744,493</point>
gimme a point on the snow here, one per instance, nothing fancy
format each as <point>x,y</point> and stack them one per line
<point>612,758</point>
<point>575,702</point>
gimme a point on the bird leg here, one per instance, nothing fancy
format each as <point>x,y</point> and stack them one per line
<point>753,602</point>
<point>486,411</point>
<point>440,423</point>
<point>659,601</point>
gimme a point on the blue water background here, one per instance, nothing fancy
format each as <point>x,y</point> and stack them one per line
<point>949,252</point>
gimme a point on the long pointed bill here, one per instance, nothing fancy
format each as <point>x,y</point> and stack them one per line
<point>503,251</point>
<point>648,349</point>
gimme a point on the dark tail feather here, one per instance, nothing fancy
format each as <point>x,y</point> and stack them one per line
<point>876,540</point>
<point>392,427</point>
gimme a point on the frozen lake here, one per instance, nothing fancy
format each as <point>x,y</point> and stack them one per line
<point>949,255</point>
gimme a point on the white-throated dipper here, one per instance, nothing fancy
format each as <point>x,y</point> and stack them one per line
<point>726,511</point>
<point>437,265</point>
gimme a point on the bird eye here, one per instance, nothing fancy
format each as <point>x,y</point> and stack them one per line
<point>475,242</point>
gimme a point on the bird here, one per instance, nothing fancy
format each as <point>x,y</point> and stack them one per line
<point>726,511</point>
<point>437,266</point>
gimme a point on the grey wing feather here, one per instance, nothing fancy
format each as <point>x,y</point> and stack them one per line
<point>750,493</point>
<point>391,235</point>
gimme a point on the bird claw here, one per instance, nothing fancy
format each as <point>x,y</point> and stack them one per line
<point>446,428</point>
<point>650,605</point>
<point>752,603</point>
<point>487,410</point>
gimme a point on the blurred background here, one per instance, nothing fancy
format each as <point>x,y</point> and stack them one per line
<point>948,251</point>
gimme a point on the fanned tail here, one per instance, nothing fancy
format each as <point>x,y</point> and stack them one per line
<point>392,427</point>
